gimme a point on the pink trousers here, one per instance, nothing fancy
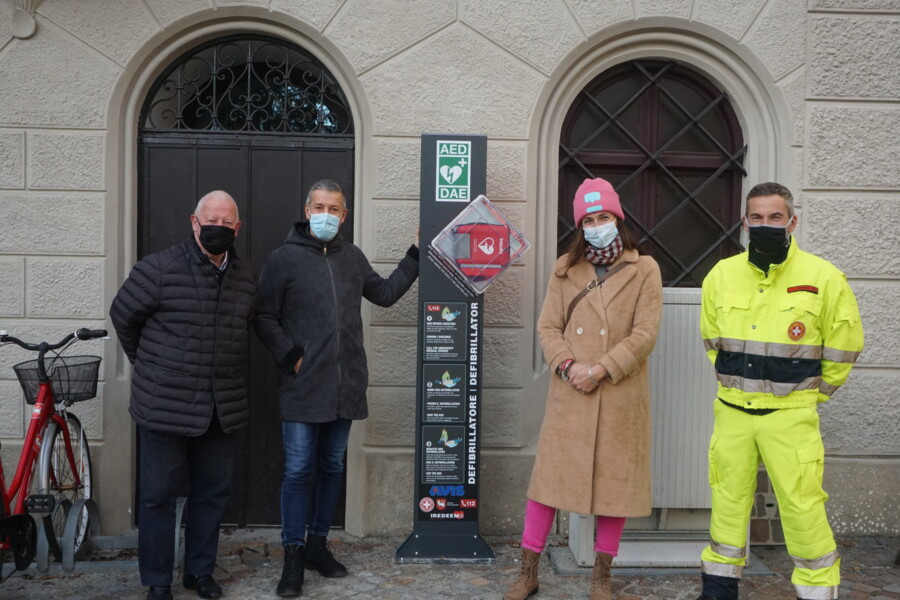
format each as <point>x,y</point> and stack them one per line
<point>539,519</point>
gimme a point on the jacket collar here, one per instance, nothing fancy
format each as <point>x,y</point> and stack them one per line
<point>199,257</point>
<point>583,273</point>
<point>792,250</point>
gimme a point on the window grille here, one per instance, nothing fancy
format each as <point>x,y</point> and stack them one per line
<point>248,84</point>
<point>670,143</point>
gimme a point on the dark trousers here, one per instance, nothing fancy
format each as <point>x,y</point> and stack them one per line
<point>207,462</point>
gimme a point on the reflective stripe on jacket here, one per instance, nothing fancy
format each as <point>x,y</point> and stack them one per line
<point>782,340</point>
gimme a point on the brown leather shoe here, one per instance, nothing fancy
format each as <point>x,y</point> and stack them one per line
<point>527,583</point>
<point>601,584</point>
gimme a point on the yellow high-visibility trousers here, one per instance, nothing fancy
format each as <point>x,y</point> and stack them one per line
<point>789,444</point>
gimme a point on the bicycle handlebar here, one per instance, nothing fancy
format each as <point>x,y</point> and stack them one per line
<point>81,334</point>
<point>91,334</point>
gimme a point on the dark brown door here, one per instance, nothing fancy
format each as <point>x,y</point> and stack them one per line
<point>268,175</point>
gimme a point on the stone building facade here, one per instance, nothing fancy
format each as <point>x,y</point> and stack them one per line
<point>815,85</point>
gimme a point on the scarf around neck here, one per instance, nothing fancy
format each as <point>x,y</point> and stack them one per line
<point>604,256</point>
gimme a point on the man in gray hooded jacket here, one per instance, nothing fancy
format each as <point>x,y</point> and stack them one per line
<point>308,316</point>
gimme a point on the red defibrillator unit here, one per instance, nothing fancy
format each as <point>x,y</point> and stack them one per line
<point>478,245</point>
<point>488,249</point>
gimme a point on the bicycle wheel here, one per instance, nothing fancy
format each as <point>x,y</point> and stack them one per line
<point>56,474</point>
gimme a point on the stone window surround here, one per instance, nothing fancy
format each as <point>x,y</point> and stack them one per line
<point>761,108</point>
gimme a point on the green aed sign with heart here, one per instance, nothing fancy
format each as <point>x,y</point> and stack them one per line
<point>453,164</point>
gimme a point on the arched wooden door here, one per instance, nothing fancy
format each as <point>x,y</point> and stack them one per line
<point>261,119</point>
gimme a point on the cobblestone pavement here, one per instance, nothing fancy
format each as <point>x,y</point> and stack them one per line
<point>250,564</point>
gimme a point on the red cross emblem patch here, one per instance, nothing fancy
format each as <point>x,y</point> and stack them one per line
<point>797,330</point>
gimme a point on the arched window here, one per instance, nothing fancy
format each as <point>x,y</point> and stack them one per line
<point>670,143</point>
<point>248,84</point>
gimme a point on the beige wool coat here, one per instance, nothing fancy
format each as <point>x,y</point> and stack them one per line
<point>594,449</point>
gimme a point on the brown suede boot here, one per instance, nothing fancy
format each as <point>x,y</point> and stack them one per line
<point>527,583</point>
<point>601,586</point>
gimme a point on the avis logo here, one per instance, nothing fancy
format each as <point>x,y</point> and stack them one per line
<point>447,490</point>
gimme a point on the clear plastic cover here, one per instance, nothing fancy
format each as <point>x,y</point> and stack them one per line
<point>478,245</point>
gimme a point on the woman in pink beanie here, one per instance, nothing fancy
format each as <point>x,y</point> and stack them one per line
<point>597,328</point>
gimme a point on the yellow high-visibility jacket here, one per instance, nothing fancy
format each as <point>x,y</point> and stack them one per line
<point>783,340</point>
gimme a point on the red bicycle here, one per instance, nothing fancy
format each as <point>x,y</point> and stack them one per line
<point>57,447</point>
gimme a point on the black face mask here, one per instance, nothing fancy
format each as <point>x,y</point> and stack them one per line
<point>769,240</point>
<point>216,239</point>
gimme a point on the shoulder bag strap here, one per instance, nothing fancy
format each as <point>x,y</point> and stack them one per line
<point>594,284</point>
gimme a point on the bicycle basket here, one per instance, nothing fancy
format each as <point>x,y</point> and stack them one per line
<point>73,378</point>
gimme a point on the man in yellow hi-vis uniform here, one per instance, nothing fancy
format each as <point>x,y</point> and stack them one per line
<point>783,330</point>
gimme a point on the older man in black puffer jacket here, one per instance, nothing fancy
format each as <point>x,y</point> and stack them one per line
<point>183,318</point>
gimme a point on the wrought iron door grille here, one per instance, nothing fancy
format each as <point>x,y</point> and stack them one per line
<point>670,143</point>
<point>248,84</point>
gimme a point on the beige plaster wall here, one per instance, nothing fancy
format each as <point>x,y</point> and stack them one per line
<point>815,86</point>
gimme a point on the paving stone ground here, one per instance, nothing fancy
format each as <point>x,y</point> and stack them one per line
<point>250,563</point>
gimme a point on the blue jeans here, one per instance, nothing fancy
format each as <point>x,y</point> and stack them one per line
<point>312,451</point>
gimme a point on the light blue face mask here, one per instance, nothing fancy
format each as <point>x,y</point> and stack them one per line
<point>601,236</point>
<point>324,226</point>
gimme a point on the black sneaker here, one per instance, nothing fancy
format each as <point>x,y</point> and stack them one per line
<point>318,557</point>
<point>291,583</point>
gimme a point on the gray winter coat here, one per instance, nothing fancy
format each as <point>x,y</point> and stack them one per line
<point>308,305</point>
<point>187,334</point>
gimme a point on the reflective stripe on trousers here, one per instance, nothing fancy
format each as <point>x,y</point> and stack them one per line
<point>788,442</point>
<point>810,592</point>
<point>721,569</point>
<point>813,564</point>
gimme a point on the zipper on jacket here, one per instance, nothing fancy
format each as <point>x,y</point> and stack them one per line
<point>336,326</point>
<point>212,381</point>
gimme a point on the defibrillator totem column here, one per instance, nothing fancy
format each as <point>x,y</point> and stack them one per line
<point>446,499</point>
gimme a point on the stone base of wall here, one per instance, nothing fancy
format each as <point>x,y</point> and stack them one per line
<point>864,496</point>
<point>765,521</point>
<point>864,500</point>
<point>388,508</point>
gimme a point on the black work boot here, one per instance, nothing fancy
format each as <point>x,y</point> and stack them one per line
<point>716,587</point>
<point>318,557</point>
<point>291,583</point>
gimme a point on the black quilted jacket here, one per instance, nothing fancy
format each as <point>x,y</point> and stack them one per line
<point>187,334</point>
<point>310,295</point>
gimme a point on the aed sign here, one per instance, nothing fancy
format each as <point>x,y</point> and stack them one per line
<point>454,160</point>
